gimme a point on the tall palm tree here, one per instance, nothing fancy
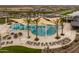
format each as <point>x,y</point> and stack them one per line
<point>28,25</point>
<point>57,25</point>
<point>28,20</point>
<point>6,17</point>
<point>36,22</point>
<point>62,25</point>
<point>6,20</point>
<point>0,40</point>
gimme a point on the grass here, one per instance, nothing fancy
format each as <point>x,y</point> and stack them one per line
<point>19,49</point>
<point>66,12</point>
<point>2,21</point>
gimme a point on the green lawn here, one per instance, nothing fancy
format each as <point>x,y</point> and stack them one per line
<point>2,21</point>
<point>66,12</point>
<point>19,49</point>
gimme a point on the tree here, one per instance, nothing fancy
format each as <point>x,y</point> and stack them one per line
<point>28,21</point>
<point>0,40</point>
<point>8,16</point>
<point>62,25</point>
<point>36,22</point>
<point>57,25</point>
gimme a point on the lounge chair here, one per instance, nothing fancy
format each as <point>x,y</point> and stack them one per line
<point>42,44</point>
<point>9,42</point>
<point>46,43</point>
<point>20,34</point>
<point>2,43</point>
<point>8,38</point>
<point>50,43</point>
<point>37,43</point>
<point>12,33</point>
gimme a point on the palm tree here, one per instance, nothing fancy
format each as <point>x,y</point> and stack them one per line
<point>6,20</point>
<point>0,40</point>
<point>36,22</point>
<point>57,25</point>
<point>6,17</point>
<point>61,22</point>
<point>28,20</point>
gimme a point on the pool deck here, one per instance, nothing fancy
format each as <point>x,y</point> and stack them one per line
<point>22,40</point>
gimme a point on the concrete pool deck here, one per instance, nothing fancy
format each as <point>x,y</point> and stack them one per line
<point>22,40</point>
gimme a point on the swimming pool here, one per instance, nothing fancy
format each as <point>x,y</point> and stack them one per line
<point>42,30</point>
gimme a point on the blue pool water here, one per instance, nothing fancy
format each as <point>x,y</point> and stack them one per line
<point>42,30</point>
